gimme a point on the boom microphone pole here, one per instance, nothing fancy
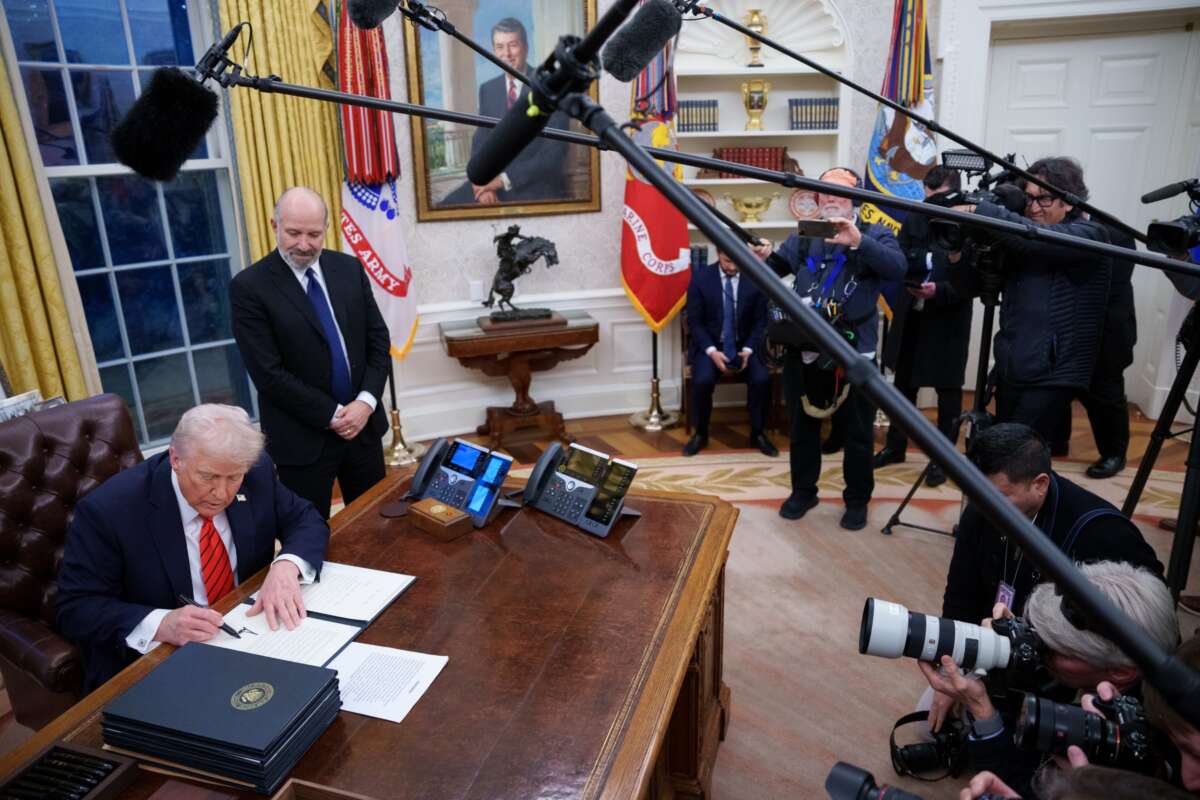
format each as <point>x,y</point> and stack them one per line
<point>703,11</point>
<point>1178,683</point>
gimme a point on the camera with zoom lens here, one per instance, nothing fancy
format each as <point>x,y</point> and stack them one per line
<point>1121,738</point>
<point>947,751</point>
<point>890,630</point>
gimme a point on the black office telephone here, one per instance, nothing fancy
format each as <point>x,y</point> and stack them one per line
<point>581,486</point>
<point>462,475</point>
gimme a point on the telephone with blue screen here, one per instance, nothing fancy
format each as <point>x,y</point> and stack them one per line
<point>581,486</point>
<point>462,475</point>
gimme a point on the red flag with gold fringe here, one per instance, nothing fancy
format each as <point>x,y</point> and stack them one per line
<point>369,134</point>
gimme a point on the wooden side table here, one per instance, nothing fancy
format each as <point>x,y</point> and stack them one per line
<point>517,354</point>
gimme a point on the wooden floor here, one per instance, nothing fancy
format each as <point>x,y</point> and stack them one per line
<point>729,431</point>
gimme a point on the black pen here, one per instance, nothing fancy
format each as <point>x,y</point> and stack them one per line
<point>224,626</point>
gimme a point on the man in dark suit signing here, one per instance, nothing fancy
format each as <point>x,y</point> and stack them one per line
<point>192,522</point>
<point>317,349</point>
<point>727,327</point>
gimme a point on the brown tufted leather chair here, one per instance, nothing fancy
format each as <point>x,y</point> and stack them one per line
<point>48,460</point>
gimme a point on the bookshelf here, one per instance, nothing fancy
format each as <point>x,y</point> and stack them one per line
<point>711,65</point>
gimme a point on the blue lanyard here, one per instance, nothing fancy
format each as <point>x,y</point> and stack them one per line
<point>839,261</point>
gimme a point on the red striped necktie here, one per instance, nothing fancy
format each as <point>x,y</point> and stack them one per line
<point>512,92</point>
<point>214,562</point>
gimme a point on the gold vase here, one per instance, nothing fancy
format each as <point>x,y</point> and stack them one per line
<point>754,98</point>
<point>757,22</point>
<point>751,208</point>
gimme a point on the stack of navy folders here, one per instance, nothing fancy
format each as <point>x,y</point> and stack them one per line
<point>244,718</point>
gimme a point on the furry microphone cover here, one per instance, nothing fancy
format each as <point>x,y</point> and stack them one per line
<point>165,125</point>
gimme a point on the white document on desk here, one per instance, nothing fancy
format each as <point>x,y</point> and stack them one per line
<point>314,641</point>
<point>354,593</point>
<point>384,682</point>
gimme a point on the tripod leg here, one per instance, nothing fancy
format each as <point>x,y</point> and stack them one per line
<point>1162,429</point>
<point>1185,529</point>
<point>895,519</point>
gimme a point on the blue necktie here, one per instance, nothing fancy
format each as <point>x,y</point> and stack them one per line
<point>729,324</point>
<point>339,369</point>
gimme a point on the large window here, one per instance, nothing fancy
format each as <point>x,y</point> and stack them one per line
<point>152,261</point>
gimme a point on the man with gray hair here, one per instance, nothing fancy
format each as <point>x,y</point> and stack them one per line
<point>188,524</point>
<point>317,348</point>
<point>1076,657</point>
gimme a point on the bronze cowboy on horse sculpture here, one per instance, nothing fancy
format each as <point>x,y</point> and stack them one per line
<point>517,256</point>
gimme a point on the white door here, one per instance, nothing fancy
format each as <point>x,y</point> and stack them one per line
<point>1121,104</point>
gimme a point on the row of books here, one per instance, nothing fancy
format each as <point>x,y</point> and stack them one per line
<point>804,114</point>
<point>813,113</point>
<point>694,116</point>
<point>775,158</point>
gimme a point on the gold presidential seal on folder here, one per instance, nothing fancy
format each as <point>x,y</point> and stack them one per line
<point>252,696</point>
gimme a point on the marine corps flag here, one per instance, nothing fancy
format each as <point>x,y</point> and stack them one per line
<point>655,253</point>
<point>901,151</point>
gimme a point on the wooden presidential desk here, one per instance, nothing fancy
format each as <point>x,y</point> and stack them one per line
<point>579,667</point>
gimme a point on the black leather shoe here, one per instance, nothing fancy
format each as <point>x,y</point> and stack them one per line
<point>763,444</point>
<point>1060,449</point>
<point>796,507</point>
<point>832,445</point>
<point>935,477</point>
<point>889,456</point>
<point>1106,467</point>
<point>698,442</point>
<point>855,518</point>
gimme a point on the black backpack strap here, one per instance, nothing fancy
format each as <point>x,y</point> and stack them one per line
<point>1077,529</point>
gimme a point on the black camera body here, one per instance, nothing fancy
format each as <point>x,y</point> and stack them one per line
<point>1121,738</point>
<point>1174,236</point>
<point>947,751</point>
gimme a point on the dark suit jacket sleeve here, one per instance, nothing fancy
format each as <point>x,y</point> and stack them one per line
<point>378,340</point>
<point>260,353</point>
<point>880,253</point>
<point>697,321</point>
<point>300,529</point>
<point>964,579</point>
<point>758,308</point>
<point>90,583</point>
<point>1114,538</point>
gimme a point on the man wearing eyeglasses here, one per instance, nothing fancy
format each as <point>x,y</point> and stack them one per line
<point>1053,304</point>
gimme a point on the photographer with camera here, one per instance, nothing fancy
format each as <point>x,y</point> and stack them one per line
<point>1054,300</point>
<point>931,326</point>
<point>840,277</point>
<point>1073,656</point>
<point>986,568</point>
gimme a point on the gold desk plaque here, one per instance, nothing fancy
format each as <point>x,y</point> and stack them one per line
<point>754,97</point>
<point>757,22</point>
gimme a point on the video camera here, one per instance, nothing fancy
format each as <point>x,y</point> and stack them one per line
<point>1181,234</point>
<point>1121,738</point>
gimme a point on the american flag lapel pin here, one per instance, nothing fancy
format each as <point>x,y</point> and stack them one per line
<point>241,498</point>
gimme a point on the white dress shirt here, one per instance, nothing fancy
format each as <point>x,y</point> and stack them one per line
<point>141,638</point>
<point>364,395</point>
<point>733,281</point>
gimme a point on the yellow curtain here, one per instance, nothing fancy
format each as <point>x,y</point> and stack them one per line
<point>284,141</point>
<point>37,348</point>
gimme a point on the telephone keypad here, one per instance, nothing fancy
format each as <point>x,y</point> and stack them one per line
<point>447,490</point>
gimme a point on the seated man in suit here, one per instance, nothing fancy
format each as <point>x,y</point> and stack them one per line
<point>190,523</point>
<point>727,324</point>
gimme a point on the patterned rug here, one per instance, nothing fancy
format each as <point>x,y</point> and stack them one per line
<point>803,697</point>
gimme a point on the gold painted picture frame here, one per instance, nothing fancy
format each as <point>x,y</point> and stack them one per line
<point>548,177</point>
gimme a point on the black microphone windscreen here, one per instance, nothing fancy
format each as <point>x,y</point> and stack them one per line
<point>641,39</point>
<point>512,134</point>
<point>164,126</point>
<point>367,14</point>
